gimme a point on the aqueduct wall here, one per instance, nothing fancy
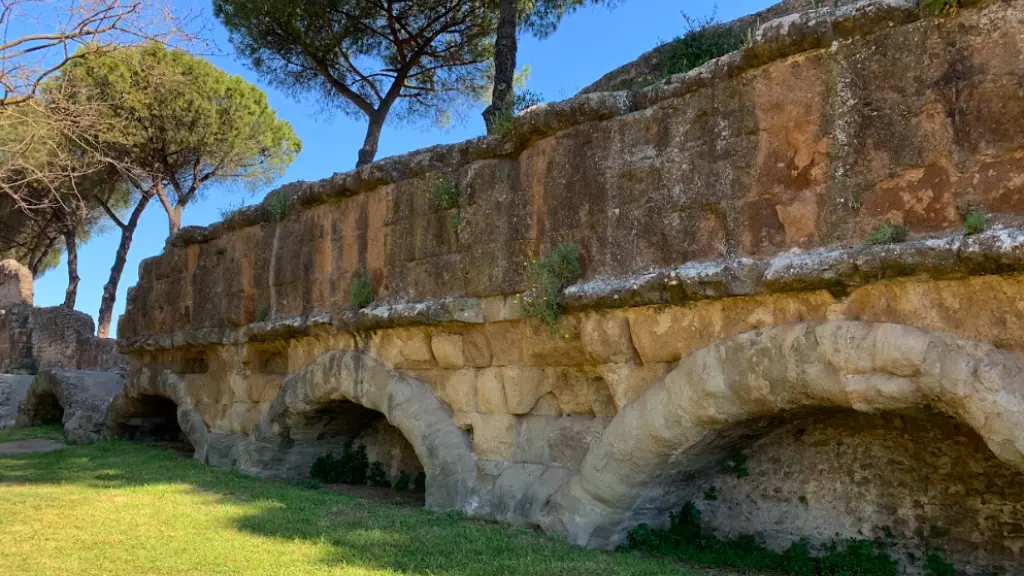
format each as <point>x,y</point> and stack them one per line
<point>727,305</point>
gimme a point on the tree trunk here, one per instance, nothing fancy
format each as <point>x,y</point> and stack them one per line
<point>505,48</point>
<point>174,220</point>
<point>110,288</point>
<point>369,150</point>
<point>71,248</point>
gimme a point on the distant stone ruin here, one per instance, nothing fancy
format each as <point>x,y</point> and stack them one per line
<point>732,334</point>
<point>53,369</point>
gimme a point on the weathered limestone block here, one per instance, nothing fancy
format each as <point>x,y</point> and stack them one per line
<point>15,284</point>
<point>490,391</point>
<point>77,399</point>
<point>13,389</point>
<point>524,386</point>
<point>627,381</point>
<point>449,350</point>
<point>404,348</point>
<point>607,339</point>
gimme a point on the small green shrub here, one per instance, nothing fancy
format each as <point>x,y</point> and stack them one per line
<point>444,192</point>
<point>711,494</point>
<point>737,464</point>
<point>503,121</point>
<point>402,484</point>
<point>277,205</point>
<point>230,210</point>
<point>420,482</point>
<point>350,468</point>
<point>942,6</point>
<point>975,223</point>
<point>362,291</point>
<point>548,277</point>
<point>936,565</point>
<point>705,40</point>
<point>262,312</point>
<point>377,477</point>
<point>887,233</point>
<point>685,540</point>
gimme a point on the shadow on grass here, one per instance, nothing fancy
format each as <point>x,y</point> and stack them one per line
<point>364,533</point>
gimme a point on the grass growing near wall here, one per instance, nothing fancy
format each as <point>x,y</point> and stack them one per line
<point>887,233</point>
<point>53,432</point>
<point>124,508</point>
<point>685,540</point>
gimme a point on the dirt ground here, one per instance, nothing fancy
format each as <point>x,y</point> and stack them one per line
<point>29,447</point>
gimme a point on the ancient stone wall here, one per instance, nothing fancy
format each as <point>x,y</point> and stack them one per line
<point>15,284</point>
<point>727,305</point>
<point>34,339</point>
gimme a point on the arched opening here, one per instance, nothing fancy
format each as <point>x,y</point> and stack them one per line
<point>907,481</point>
<point>153,419</point>
<point>46,410</point>
<point>358,451</point>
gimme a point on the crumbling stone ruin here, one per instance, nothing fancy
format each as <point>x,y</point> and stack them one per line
<point>53,369</point>
<point>731,335</point>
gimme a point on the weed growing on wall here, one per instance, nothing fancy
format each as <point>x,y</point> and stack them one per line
<point>887,233</point>
<point>975,223</point>
<point>705,40</point>
<point>685,540</point>
<point>362,291</point>
<point>262,312</point>
<point>737,464</point>
<point>936,565</point>
<point>939,7</point>
<point>444,192</point>
<point>548,277</point>
<point>277,205</point>
<point>522,101</point>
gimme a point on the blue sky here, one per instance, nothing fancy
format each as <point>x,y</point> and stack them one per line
<point>587,45</point>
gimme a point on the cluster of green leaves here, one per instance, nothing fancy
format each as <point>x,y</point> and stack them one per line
<point>936,565</point>
<point>277,204</point>
<point>942,6</point>
<point>685,540</point>
<point>352,467</point>
<point>705,40</point>
<point>887,233</point>
<point>975,223</point>
<point>444,192</point>
<point>262,312</point>
<point>522,101</point>
<point>737,464</point>
<point>362,291</point>
<point>548,277</point>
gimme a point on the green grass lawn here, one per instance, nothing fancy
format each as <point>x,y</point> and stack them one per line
<point>127,509</point>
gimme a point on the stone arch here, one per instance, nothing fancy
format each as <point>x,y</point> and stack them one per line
<point>361,383</point>
<point>680,425</point>
<point>146,396</point>
<point>76,399</point>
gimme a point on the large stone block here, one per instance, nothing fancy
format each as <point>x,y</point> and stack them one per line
<point>15,284</point>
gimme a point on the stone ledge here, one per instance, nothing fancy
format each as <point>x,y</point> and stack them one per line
<point>391,315</point>
<point>999,250</point>
<point>996,251</point>
<point>775,40</point>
